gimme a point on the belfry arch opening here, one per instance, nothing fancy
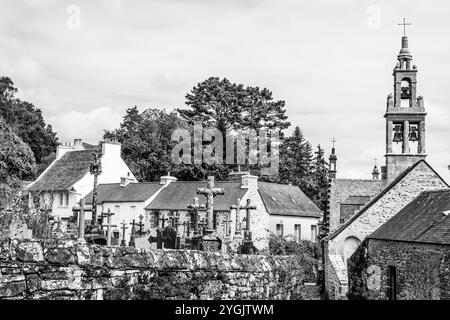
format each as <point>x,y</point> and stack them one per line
<point>405,93</point>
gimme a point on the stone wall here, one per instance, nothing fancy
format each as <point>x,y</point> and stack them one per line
<point>423,270</point>
<point>71,270</point>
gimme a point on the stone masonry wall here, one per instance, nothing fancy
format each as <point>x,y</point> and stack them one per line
<point>423,270</point>
<point>71,270</point>
<point>422,178</point>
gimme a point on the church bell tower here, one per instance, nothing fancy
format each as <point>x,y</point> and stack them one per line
<point>405,117</point>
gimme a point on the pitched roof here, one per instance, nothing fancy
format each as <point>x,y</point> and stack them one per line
<point>177,195</point>
<point>364,189</point>
<point>283,199</point>
<point>381,194</point>
<point>356,200</point>
<point>132,192</point>
<point>422,220</point>
<point>64,172</point>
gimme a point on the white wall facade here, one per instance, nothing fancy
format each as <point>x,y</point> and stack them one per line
<point>289,223</point>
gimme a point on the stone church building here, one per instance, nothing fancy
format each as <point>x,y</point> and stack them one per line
<point>359,207</point>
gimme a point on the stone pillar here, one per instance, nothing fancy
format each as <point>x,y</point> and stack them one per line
<point>405,148</point>
<point>389,133</point>
<point>421,145</point>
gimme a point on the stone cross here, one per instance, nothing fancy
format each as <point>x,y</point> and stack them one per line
<point>248,207</point>
<point>163,221</point>
<point>108,225</point>
<point>82,208</point>
<point>124,227</point>
<point>228,222</point>
<point>95,168</point>
<point>238,208</point>
<point>133,230</point>
<point>140,224</point>
<point>210,192</point>
<point>194,207</point>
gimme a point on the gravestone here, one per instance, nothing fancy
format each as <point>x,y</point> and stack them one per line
<point>19,230</point>
<point>142,243</point>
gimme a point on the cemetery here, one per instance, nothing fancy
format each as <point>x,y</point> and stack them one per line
<point>78,258</point>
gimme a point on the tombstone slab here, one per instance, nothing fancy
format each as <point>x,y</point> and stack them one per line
<point>19,230</point>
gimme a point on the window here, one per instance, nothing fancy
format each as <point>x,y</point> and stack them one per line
<point>298,231</point>
<point>391,283</point>
<point>314,233</point>
<point>67,198</point>
<point>155,219</point>
<point>61,199</point>
<point>280,230</point>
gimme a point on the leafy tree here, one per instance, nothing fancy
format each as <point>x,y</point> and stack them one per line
<point>16,162</point>
<point>146,141</point>
<point>26,121</point>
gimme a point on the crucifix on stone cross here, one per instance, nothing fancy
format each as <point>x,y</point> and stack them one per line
<point>140,224</point>
<point>108,225</point>
<point>124,227</point>
<point>81,209</point>
<point>163,220</point>
<point>194,207</point>
<point>210,192</point>
<point>132,243</point>
<point>248,207</point>
<point>238,208</point>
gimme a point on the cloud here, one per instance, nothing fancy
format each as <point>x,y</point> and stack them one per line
<point>85,125</point>
<point>334,73</point>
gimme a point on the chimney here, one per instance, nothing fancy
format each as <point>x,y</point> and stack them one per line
<point>124,181</point>
<point>77,145</point>
<point>62,149</point>
<point>237,175</point>
<point>165,180</point>
<point>249,181</point>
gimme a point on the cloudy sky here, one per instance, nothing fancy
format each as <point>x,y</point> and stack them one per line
<point>84,62</point>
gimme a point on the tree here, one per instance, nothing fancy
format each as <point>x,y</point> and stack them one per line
<point>16,162</point>
<point>225,106</point>
<point>146,141</point>
<point>26,121</point>
<point>320,174</point>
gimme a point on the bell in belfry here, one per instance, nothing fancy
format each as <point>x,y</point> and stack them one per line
<point>413,134</point>
<point>398,134</point>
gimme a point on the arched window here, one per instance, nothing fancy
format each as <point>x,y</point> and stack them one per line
<point>350,246</point>
<point>406,88</point>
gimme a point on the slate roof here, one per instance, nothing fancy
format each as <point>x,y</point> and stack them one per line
<point>422,220</point>
<point>177,195</point>
<point>64,172</point>
<point>357,200</point>
<point>382,193</point>
<point>132,192</point>
<point>283,199</point>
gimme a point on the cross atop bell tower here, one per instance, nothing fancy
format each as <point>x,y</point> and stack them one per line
<point>405,116</point>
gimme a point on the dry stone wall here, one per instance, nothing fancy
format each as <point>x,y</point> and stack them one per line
<point>71,270</point>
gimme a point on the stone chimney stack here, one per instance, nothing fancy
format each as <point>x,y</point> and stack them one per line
<point>249,181</point>
<point>165,180</point>
<point>124,181</point>
<point>77,144</point>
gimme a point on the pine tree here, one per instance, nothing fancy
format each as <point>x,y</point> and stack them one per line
<point>320,175</point>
